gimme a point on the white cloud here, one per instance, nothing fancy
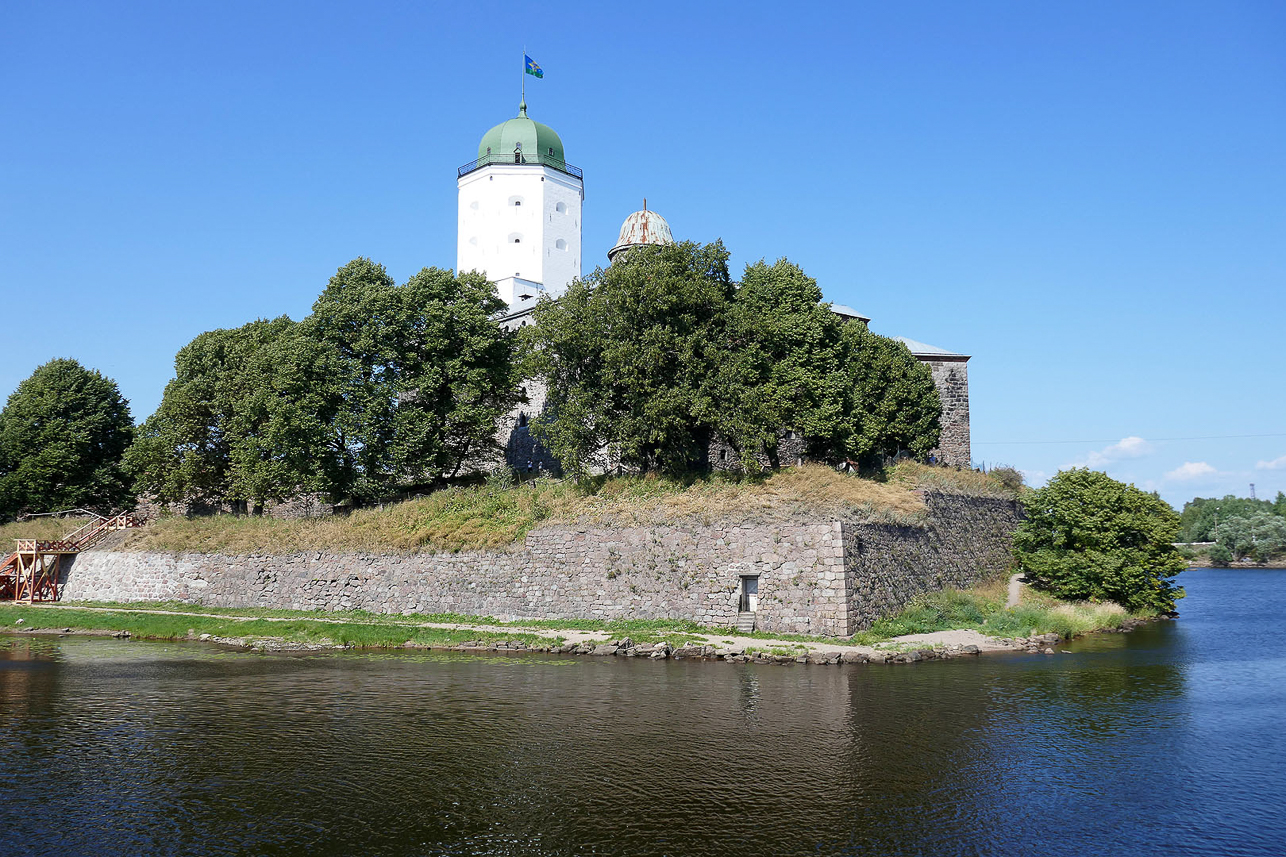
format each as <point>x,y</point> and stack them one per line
<point>1034,478</point>
<point>1191,470</point>
<point>1275,464</point>
<point>1126,447</point>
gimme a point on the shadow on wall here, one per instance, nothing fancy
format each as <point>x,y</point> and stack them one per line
<point>528,456</point>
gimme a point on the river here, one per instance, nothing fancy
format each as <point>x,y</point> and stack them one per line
<point>1167,740</point>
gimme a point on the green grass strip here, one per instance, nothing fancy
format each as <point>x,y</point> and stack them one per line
<point>314,631</point>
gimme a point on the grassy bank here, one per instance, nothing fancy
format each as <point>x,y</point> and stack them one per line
<point>983,609</point>
<point>488,517</point>
<point>980,609</point>
<point>305,629</point>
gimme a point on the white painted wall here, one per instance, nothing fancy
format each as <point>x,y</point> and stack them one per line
<point>520,225</point>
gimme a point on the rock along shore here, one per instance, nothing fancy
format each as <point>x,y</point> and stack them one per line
<point>940,645</point>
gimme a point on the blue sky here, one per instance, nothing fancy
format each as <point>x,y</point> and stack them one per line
<point>1088,198</point>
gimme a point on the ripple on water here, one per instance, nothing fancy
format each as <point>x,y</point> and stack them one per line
<point>1151,742</point>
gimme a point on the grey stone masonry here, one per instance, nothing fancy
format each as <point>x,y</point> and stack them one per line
<point>523,453</point>
<point>951,377</point>
<point>792,449</point>
<point>814,577</point>
<point>968,540</point>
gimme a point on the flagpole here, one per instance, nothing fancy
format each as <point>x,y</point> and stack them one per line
<point>524,75</point>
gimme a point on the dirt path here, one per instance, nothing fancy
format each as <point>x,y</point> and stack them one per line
<point>572,635</point>
<point>1015,590</point>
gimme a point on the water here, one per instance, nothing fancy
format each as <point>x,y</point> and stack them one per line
<point>1168,740</point>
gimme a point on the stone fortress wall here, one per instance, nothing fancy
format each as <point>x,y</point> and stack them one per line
<point>814,577</point>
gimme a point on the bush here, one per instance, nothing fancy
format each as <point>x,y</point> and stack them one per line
<point>1220,556</point>
<point>1088,537</point>
<point>1010,477</point>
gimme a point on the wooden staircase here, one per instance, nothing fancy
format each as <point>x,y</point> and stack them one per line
<point>30,573</point>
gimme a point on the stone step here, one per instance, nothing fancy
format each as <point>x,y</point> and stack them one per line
<point>745,623</point>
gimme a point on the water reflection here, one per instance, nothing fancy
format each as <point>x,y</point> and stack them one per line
<point>180,748</point>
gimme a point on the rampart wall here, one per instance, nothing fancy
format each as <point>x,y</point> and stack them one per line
<point>814,577</point>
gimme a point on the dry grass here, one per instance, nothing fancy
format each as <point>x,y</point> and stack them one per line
<point>808,490</point>
<point>949,480</point>
<point>487,517</point>
<point>452,520</point>
<point>47,529</point>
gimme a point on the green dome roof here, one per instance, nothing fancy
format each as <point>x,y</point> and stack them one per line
<point>537,140</point>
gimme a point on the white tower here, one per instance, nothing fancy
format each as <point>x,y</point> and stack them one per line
<point>520,212</point>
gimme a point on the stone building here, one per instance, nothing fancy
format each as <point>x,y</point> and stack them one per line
<point>520,225</point>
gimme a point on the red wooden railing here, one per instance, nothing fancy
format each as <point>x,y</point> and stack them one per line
<point>30,573</point>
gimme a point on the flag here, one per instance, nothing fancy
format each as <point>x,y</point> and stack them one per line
<point>532,68</point>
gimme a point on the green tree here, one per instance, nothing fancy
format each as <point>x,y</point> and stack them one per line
<point>1201,515</point>
<point>892,404</point>
<point>1269,533</point>
<point>1261,536</point>
<point>427,372</point>
<point>381,386</point>
<point>248,416</point>
<point>651,359</point>
<point>1089,537</point>
<point>781,363</point>
<point>62,434</point>
<point>630,353</point>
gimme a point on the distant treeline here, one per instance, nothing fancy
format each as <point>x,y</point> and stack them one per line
<point>1240,526</point>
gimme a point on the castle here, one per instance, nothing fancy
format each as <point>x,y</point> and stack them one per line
<point>519,224</point>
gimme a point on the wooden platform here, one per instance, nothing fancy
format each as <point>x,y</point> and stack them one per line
<point>32,572</point>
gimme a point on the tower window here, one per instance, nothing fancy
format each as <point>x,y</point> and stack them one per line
<point>560,244</point>
<point>551,150</point>
<point>517,202</point>
<point>561,207</point>
<point>517,240</point>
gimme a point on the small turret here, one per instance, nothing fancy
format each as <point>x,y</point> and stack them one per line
<point>641,227</point>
